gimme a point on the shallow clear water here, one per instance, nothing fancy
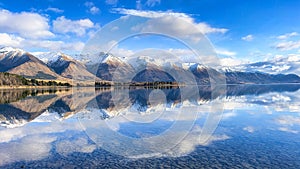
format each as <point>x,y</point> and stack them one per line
<point>246,126</point>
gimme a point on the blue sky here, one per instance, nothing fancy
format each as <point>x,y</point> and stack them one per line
<point>250,30</point>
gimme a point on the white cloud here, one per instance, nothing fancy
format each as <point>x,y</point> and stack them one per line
<point>230,62</point>
<point>248,38</point>
<point>55,45</point>
<point>225,52</point>
<point>26,24</point>
<point>10,40</point>
<point>148,14</point>
<point>56,10</point>
<point>111,2</point>
<point>19,42</point>
<point>287,35</point>
<point>92,8</point>
<point>152,3</point>
<point>290,45</point>
<point>175,23</point>
<point>79,27</point>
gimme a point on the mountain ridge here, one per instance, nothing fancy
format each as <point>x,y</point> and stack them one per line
<point>111,68</point>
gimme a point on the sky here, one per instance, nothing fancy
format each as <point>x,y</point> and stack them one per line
<point>239,31</point>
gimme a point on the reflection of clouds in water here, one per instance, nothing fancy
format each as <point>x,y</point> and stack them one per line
<point>28,148</point>
<point>192,140</point>
<point>250,129</point>
<point>286,129</point>
<point>8,135</point>
<point>288,120</point>
<point>287,123</point>
<point>81,144</point>
<point>34,141</point>
<point>228,115</point>
<point>285,101</point>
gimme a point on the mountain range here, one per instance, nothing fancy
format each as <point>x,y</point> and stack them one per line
<point>61,67</point>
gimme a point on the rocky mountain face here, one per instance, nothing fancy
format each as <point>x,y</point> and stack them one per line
<point>17,61</point>
<point>110,68</point>
<point>70,68</point>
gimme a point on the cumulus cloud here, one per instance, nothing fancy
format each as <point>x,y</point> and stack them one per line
<point>79,27</point>
<point>177,26</point>
<point>25,24</point>
<point>175,23</point>
<point>290,45</point>
<point>287,35</point>
<point>56,10</point>
<point>248,38</point>
<point>19,42</point>
<point>92,8</point>
<point>10,40</point>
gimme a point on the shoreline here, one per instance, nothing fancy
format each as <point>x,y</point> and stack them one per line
<point>131,86</point>
<point>33,87</point>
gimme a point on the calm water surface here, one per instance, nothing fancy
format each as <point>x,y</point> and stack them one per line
<point>244,126</point>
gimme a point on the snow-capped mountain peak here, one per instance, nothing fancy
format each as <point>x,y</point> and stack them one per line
<point>52,57</point>
<point>109,58</point>
<point>12,52</point>
<point>198,66</point>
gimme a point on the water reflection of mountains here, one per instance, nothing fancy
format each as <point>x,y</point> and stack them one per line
<point>17,107</point>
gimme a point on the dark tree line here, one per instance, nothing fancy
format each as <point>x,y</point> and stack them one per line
<point>7,79</point>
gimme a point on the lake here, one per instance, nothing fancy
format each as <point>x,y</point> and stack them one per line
<point>234,126</point>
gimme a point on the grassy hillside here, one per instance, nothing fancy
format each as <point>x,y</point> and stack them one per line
<point>8,79</point>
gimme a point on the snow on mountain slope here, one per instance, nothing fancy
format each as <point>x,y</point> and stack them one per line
<point>18,61</point>
<point>68,67</point>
